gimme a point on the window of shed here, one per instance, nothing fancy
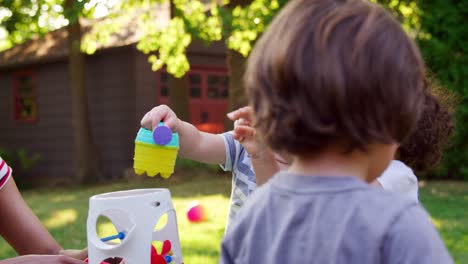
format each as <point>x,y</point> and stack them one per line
<point>24,93</point>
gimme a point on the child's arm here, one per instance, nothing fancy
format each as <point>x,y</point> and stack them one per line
<point>25,233</point>
<point>20,227</point>
<point>262,157</point>
<point>194,144</point>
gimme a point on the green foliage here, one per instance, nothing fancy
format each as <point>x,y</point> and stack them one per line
<point>407,11</point>
<point>187,164</point>
<point>7,156</point>
<point>23,20</point>
<point>171,42</point>
<point>166,39</point>
<point>27,160</point>
<point>444,47</point>
<point>439,29</point>
<point>243,25</point>
<point>22,162</point>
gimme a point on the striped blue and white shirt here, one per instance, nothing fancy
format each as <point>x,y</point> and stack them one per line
<point>243,176</point>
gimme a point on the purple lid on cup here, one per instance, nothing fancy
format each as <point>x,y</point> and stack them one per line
<point>162,135</point>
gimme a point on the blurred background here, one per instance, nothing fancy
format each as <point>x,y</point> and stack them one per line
<point>77,76</point>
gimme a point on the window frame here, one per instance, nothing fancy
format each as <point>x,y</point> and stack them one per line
<point>16,95</point>
<point>203,71</point>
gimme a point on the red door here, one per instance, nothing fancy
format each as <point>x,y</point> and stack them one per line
<point>208,97</point>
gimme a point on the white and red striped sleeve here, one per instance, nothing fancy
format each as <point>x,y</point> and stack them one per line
<point>5,173</point>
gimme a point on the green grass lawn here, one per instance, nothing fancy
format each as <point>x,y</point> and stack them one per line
<point>447,203</point>
<point>64,212</point>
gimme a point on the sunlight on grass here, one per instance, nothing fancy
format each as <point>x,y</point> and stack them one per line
<point>436,223</point>
<point>446,204</point>
<point>200,241</point>
<point>61,218</point>
<point>63,198</point>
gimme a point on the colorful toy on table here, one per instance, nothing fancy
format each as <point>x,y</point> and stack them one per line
<point>165,256</point>
<point>134,214</point>
<point>156,152</point>
<point>104,262</point>
<point>121,236</point>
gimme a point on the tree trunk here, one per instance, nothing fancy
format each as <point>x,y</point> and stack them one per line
<point>86,165</point>
<point>178,97</point>
<point>236,68</point>
<point>178,91</point>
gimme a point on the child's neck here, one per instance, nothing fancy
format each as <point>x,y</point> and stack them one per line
<point>332,163</point>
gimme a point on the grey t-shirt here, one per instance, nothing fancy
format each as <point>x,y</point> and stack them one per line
<point>313,219</point>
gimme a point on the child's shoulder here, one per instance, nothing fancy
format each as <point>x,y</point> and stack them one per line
<point>400,178</point>
<point>398,167</point>
<point>378,203</point>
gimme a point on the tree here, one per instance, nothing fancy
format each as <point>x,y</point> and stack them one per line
<point>178,97</point>
<point>238,22</point>
<point>437,26</point>
<point>236,67</point>
<point>443,39</point>
<point>32,18</point>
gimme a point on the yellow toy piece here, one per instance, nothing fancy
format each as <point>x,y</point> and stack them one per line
<point>153,158</point>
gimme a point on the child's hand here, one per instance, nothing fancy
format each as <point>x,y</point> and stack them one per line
<point>263,159</point>
<point>74,253</point>
<point>42,259</point>
<point>158,114</point>
<point>245,133</point>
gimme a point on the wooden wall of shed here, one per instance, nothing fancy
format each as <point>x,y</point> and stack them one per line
<point>145,87</point>
<point>51,135</point>
<point>121,88</point>
<point>111,83</point>
<point>110,79</point>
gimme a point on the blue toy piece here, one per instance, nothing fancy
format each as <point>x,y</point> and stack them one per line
<point>120,235</point>
<point>168,259</point>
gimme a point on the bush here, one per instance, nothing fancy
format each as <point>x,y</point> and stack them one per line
<point>22,163</point>
<point>7,156</point>
<point>439,27</point>
<point>443,42</point>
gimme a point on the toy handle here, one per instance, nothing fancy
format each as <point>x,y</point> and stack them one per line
<point>162,135</point>
<point>120,235</point>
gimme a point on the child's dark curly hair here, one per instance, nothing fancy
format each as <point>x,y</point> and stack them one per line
<point>423,149</point>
